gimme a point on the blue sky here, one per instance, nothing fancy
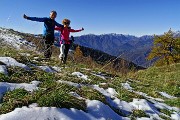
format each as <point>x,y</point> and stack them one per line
<point>133,17</point>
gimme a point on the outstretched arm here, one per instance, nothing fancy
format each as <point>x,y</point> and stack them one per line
<point>72,30</point>
<point>59,25</point>
<point>34,18</point>
<point>58,28</point>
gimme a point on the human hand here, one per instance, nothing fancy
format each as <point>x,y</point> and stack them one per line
<point>25,16</point>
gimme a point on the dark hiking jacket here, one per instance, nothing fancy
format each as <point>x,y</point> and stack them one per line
<point>49,24</point>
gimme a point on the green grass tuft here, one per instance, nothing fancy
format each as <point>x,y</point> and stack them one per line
<point>14,99</point>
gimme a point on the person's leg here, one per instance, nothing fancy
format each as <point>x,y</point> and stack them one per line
<point>47,51</point>
<point>67,46</point>
<point>61,55</point>
<point>50,50</point>
<point>49,40</point>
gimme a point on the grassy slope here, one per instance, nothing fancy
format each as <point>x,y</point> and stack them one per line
<point>159,79</point>
<point>149,81</point>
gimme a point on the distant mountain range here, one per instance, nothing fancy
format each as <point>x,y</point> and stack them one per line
<point>129,47</point>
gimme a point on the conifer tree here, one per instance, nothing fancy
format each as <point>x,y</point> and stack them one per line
<point>177,50</point>
<point>166,49</point>
<point>78,53</point>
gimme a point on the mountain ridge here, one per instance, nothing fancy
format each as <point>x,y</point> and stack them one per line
<point>117,44</point>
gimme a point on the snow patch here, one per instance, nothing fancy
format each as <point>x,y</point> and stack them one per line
<point>70,83</point>
<point>3,69</point>
<point>5,86</point>
<point>47,69</point>
<point>96,110</point>
<point>12,62</point>
<point>126,86</point>
<point>14,40</point>
<point>80,75</point>
<point>167,95</point>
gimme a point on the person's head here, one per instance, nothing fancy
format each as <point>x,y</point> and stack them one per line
<point>66,22</point>
<point>53,14</point>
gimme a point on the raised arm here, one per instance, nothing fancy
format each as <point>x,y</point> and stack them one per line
<point>72,30</point>
<point>35,18</point>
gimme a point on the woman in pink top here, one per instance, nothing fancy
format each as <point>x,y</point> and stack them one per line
<point>65,41</point>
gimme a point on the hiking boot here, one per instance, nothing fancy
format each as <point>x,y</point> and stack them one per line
<point>62,60</point>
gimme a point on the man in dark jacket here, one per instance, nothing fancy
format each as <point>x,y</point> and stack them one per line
<point>48,32</point>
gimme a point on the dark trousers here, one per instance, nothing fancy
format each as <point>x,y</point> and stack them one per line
<point>49,41</point>
<point>66,50</point>
<point>48,51</point>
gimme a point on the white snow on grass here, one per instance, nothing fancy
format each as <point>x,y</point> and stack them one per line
<point>116,103</point>
<point>46,113</point>
<point>147,107</point>
<point>47,69</point>
<point>102,83</point>
<point>175,116</point>
<point>12,62</point>
<point>112,91</point>
<point>129,88</point>
<point>148,97</point>
<point>96,110</point>
<point>4,87</point>
<point>14,40</point>
<point>167,95</point>
<point>110,98</point>
<point>126,86</point>
<point>80,75</point>
<point>58,69</point>
<point>74,94</point>
<point>101,111</point>
<point>164,106</point>
<point>99,76</point>
<point>3,69</point>
<point>70,83</point>
<point>150,108</point>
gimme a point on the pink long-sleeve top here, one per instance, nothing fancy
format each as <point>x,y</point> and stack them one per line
<point>65,31</point>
